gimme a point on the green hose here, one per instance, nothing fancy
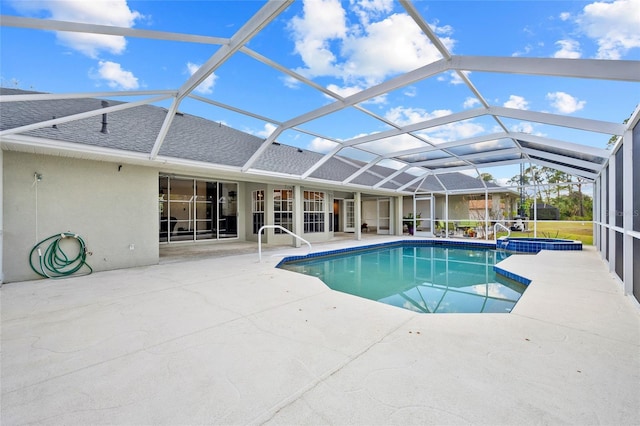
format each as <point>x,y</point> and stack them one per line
<point>54,262</point>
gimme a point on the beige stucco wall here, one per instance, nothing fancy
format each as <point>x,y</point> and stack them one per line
<point>110,209</point>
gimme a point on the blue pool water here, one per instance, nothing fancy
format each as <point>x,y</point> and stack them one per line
<point>427,279</point>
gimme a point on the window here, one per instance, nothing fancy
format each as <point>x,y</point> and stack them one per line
<point>283,209</point>
<point>313,211</point>
<point>257,209</point>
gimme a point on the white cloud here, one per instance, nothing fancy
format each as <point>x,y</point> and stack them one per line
<point>321,145</point>
<point>524,127</point>
<point>517,102</point>
<point>444,133</point>
<point>291,82</point>
<point>453,131</point>
<point>565,16</point>
<point>522,52</point>
<point>322,21</point>
<point>206,87</point>
<point>502,181</point>
<point>452,77</point>
<point>394,144</point>
<point>568,49</point>
<point>529,49</point>
<point>344,91</point>
<point>393,45</point>
<point>115,76</point>
<point>614,26</point>
<point>113,12</point>
<point>266,132</point>
<point>470,102</point>
<point>565,103</point>
<point>410,92</point>
<point>364,52</point>
<point>405,116</point>
<point>365,9</point>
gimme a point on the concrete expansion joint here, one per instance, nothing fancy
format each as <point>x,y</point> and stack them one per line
<point>322,378</point>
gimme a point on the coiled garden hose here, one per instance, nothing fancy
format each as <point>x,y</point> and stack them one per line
<point>54,262</point>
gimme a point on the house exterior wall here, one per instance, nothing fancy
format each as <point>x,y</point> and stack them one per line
<point>370,214</point>
<point>110,209</point>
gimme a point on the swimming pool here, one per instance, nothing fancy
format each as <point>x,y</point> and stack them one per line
<point>421,278</point>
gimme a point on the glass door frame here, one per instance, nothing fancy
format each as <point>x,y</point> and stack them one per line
<point>383,225</point>
<point>428,220</point>
<point>349,221</point>
<point>211,212</point>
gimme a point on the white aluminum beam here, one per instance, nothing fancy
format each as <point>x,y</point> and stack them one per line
<point>392,176</point>
<point>469,157</point>
<point>289,72</point>
<point>257,22</point>
<point>80,116</point>
<point>566,169</point>
<point>452,144</point>
<point>52,96</point>
<point>569,146</point>
<point>433,38</point>
<point>408,184</point>
<point>560,67</point>
<point>257,116</point>
<point>559,120</point>
<point>77,27</point>
<point>389,85</point>
<point>563,159</point>
<point>447,119</point>
<point>483,166</point>
<point>361,170</point>
<point>234,109</point>
<point>323,160</point>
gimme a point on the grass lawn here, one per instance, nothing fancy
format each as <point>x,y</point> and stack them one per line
<point>581,231</point>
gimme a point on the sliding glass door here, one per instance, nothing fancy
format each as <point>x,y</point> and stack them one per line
<point>193,209</point>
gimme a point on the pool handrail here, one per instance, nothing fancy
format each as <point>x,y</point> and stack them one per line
<point>495,230</point>
<point>276,227</point>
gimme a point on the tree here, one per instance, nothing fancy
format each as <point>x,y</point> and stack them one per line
<point>558,177</point>
<point>580,181</point>
<point>487,177</point>
<point>612,141</point>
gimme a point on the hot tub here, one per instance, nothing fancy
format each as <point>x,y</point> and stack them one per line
<point>534,245</point>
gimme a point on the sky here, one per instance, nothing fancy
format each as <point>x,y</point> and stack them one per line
<point>344,47</point>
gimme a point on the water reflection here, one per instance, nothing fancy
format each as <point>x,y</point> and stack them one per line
<point>422,279</point>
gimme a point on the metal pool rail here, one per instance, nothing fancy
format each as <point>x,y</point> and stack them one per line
<point>281,228</point>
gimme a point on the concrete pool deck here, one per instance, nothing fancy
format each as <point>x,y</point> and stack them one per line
<point>229,340</point>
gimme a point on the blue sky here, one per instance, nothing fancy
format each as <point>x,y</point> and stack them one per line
<point>344,47</point>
